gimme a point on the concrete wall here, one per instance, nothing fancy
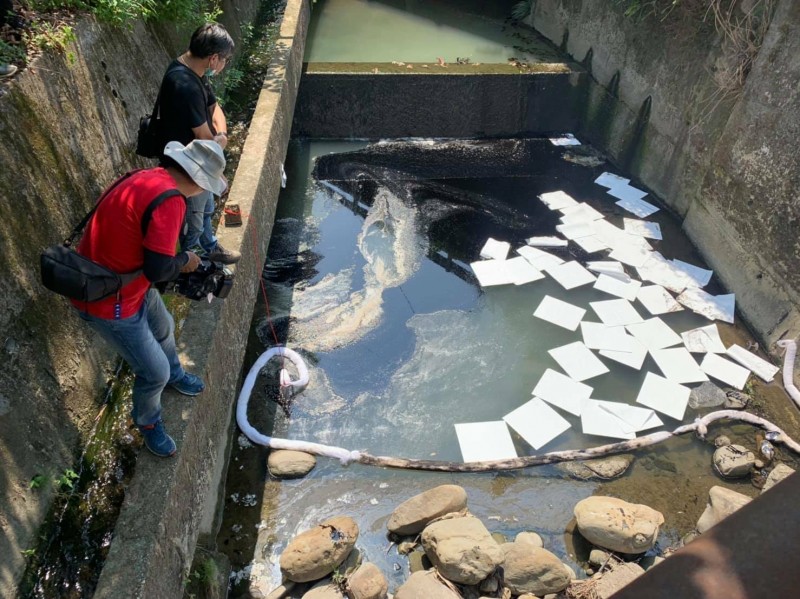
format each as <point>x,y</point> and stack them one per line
<point>728,166</point>
<point>66,130</point>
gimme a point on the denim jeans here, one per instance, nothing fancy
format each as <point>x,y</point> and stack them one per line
<point>199,231</point>
<point>146,341</point>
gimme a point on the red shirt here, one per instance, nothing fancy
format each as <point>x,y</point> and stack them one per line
<point>113,236</point>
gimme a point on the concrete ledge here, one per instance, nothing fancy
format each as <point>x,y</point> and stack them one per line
<point>157,530</point>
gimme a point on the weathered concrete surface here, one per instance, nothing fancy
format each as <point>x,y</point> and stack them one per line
<point>728,166</point>
<point>435,104</point>
<point>160,520</point>
<point>66,130</point>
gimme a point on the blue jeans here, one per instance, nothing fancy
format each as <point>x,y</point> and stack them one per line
<point>199,231</point>
<point>146,341</point>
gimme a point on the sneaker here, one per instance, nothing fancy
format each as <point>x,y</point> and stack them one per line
<point>6,70</point>
<point>157,440</point>
<point>220,254</point>
<point>190,385</point>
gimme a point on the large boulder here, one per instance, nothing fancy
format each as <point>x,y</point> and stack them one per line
<point>620,576</point>
<point>722,503</point>
<point>529,569</point>
<point>425,585</point>
<point>734,461</point>
<point>317,552</point>
<point>462,549</point>
<point>529,538</point>
<point>285,463</point>
<point>617,525</point>
<point>602,468</point>
<point>324,590</point>
<point>411,516</point>
<point>368,582</point>
<point>778,473</point>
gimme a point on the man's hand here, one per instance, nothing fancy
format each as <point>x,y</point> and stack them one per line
<point>221,139</point>
<point>192,264</point>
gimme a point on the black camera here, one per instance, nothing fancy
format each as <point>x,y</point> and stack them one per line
<point>209,278</point>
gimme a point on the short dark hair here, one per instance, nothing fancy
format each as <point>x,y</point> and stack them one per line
<point>167,162</point>
<point>209,39</point>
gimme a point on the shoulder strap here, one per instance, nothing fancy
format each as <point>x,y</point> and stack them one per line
<point>81,225</point>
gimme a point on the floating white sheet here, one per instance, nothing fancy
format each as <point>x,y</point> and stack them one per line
<point>725,371</point>
<point>614,237</point>
<point>563,392</point>
<point>616,312</point>
<point>575,231</point>
<point>657,300</point>
<point>597,335</point>
<point>559,312</point>
<point>713,307</point>
<point>633,359</point>
<point>568,139</point>
<point>642,228</point>
<point>590,244</point>
<point>539,258</point>
<point>611,180</point>
<point>495,250</point>
<point>556,200</point>
<point>631,255</point>
<point>678,365</point>
<point>634,419</point>
<point>491,272</point>
<point>614,286</point>
<point>640,208</point>
<point>570,275</point>
<point>761,367</point>
<point>547,242</point>
<point>582,213</point>
<point>700,276</point>
<point>626,192</point>
<point>483,441</point>
<point>665,396</point>
<point>536,422</point>
<point>611,268</point>
<point>654,334</point>
<point>602,423</point>
<point>704,340</point>
<point>521,271</point>
<point>578,361</point>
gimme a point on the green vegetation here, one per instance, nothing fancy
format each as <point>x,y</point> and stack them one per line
<point>37,481</point>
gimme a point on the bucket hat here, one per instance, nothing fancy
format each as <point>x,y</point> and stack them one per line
<point>203,161</point>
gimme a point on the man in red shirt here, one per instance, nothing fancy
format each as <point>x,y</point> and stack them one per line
<point>126,234</point>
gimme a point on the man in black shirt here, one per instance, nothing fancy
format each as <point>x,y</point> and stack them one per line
<point>189,110</point>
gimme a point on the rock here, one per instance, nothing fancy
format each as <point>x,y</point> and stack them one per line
<point>602,468</point>
<point>462,549</point>
<point>650,561</point>
<point>570,572</point>
<point>325,589</point>
<point>598,557</point>
<point>490,585</point>
<point>280,591</point>
<point>707,395</point>
<point>315,553</point>
<point>411,516</point>
<point>285,463</point>
<point>722,503</point>
<point>617,525</point>
<point>499,538</point>
<point>689,537</point>
<point>533,570</point>
<point>734,461</point>
<point>427,585</point>
<point>527,596</point>
<point>778,473</point>
<point>406,547</point>
<point>418,561</point>
<point>529,538</point>
<point>368,582</point>
<point>736,400</point>
<point>722,441</point>
<point>620,576</point>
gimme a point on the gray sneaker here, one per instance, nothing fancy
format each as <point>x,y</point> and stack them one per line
<point>223,256</point>
<point>6,70</point>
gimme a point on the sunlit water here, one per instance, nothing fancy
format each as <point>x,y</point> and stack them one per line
<point>366,265</point>
<point>414,31</point>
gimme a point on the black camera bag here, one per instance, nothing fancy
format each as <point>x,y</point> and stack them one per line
<point>148,139</point>
<point>66,272</point>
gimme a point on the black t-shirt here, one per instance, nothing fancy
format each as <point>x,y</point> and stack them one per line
<point>185,102</point>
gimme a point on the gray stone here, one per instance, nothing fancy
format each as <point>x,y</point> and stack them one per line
<point>324,589</point>
<point>462,549</point>
<point>617,525</point>
<point>618,577</point>
<point>734,461</point>
<point>722,503</point>
<point>722,441</point>
<point>777,474</point>
<point>534,570</point>
<point>529,538</point>
<point>602,468</point>
<point>707,395</point>
<point>411,516</point>
<point>736,400</point>
<point>368,582</point>
<point>315,553</point>
<point>425,584</point>
<point>284,463</point>
<point>598,557</point>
